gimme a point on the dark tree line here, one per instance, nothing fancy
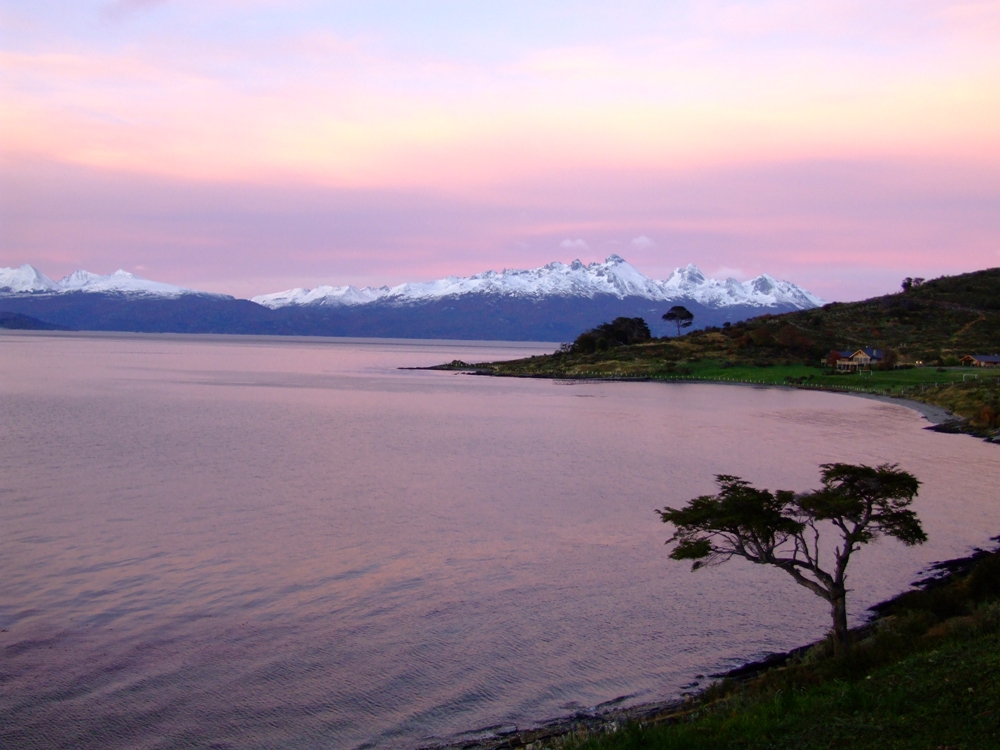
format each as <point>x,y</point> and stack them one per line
<point>619,332</point>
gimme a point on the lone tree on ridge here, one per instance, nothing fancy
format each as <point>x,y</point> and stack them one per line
<point>680,316</point>
<point>781,528</point>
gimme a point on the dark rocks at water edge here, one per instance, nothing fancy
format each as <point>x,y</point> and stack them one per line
<point>602,719</point>
<point>611,716</point>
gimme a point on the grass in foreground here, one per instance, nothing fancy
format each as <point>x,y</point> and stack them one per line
<point>926,675</point>
<point>947,697</point>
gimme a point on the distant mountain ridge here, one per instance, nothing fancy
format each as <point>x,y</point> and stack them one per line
<point>29,280</point>
<point>614,277</point>
<point>554,302</point>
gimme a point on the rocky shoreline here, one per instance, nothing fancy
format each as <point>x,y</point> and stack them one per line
<point>941,420</point>
<point>611,716</point>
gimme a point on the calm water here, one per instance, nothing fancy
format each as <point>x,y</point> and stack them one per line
<point>249,543</point>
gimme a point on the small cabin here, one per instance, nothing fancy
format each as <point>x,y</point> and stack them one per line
<point>858,360</point>
<point>981,360</point>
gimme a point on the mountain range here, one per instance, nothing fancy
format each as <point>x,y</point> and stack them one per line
<point>554,302</point>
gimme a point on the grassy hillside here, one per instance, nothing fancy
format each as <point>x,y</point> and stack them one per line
<point>941,697</point>
<point>934,324</point>
<point>942,319</point>
<point>923,675</point>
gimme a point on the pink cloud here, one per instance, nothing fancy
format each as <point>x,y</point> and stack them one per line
<point>837,144</point>
<point>845,230</point>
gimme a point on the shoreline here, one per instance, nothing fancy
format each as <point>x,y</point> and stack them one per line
<point>936,415</point>
<point>608,717</point>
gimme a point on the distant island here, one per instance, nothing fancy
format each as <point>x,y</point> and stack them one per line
<point>937,342</point>
<point>18,322</point>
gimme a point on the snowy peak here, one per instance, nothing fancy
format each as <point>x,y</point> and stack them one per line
<point>29,280</point>
<point>621,277</point>
<point>327,296</point>
<point>25,280</point>
<point>762,291</point>
<point>689,277</point>
<point>615,277</point>
<point>120,281</point>
<point>78,279</point>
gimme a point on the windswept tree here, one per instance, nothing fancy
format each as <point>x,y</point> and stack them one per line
<point>857,504</point>
<point>679,316</point>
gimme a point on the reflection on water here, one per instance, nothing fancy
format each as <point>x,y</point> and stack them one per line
<point>259,543</point>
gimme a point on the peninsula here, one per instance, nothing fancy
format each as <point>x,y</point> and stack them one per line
<point>934,342</point>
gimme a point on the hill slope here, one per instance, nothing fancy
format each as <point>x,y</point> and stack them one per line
<point>934,324</point>
<point>17,322</point>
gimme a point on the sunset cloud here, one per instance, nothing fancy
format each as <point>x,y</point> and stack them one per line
<point>565,113</point>
<point>575,246</point>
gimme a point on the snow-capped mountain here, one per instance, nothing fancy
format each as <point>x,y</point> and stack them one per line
<point>552,303</point>
<point>322,295</point>
<point>25,280</point>
<point>615,277</point>
<point>120,281</point>
<point>29,280</point>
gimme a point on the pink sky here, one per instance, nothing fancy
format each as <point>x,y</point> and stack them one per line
<point>250,147</point>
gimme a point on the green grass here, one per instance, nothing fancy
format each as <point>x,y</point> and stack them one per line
<point>926,674</point>
<point>894,382</point>
<point>947,697</point>
<point>936,323</point>
<point>970,393</point>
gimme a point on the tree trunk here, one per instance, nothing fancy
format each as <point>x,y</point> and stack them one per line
<point>838,610</point>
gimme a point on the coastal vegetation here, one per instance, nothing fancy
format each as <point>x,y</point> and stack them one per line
<point>922,674</point>
<point>619,332</point>
<point>782,529</point>
<point>923,332</point>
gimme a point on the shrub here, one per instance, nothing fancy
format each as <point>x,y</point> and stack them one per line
<point>619,332</point>
<point>984,581</point>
